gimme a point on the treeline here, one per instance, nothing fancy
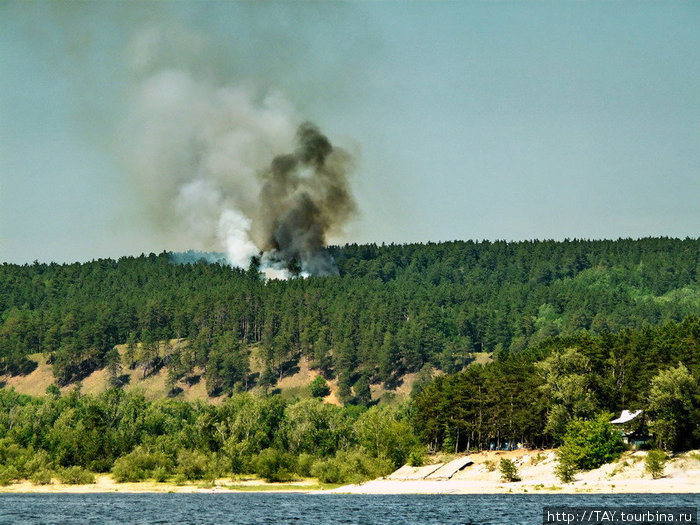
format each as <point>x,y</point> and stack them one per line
<point>532,396</point>
<point>392,309</point>
<point>136,439</point>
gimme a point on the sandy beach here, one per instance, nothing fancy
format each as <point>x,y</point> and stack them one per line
<point>104,483</point>
<point>536,469</point>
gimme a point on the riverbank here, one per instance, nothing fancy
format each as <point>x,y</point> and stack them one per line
<point>536,470</point>
<point>104,483</point>
<point>480,476</point>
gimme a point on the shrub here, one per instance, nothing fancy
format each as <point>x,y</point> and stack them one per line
<point>41,477</point>
<point>76,475</point>
<point>319,387</point>
<point>655,463</point>
<point>509,472</point>
<point>353,466</point>
<point>161,474</point>
<point>590,444</point>
<point>357,466</point>
<point>8,474</point>
<point>327,471</point>
<point>192,464</point>
<point>416,458</point>
<point>273,465</point>
<point>565,469</point>
<point>37,461</point>
<point>179,479</point>
<point>304,463</point>
<point>587,445</point>
<point>139,464</point>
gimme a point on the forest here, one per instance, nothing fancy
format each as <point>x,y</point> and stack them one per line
<point>534,398</point>
<point>577,330</point>
<point>392,309</point>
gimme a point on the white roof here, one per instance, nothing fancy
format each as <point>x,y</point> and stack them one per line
<point>625,417</point>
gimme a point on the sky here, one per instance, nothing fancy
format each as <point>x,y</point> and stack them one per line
<point>465,120</point>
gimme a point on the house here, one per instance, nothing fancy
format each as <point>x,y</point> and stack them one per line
<point>631,426</point>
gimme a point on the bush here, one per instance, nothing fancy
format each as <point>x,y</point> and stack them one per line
<point>76,476</point>
<point>273,465</point>
<point>101,465</point>
<point>8,474</point>
<point>15,456</point>
<point>565,469</point>
<point>41,477</point>
<point>327,471</point>
<point>353,466</point>
<point>655,463</point>
<point>304,463</point>
<point>38,461</point>
<point>319,387</point>
<point>161,474</point>
<point>509,472</point>
<point>588,445</point>
<point>192,464</point>
<point>416,458</point>
<point>179,479</point>
<point>139,464</point>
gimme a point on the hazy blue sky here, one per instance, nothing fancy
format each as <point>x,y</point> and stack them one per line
<point>471,120</point>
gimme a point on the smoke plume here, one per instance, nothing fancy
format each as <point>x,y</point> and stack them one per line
<point>304,197</point>
<point>227,167</point>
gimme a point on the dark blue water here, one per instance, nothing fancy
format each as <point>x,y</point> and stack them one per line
<point>312,509</point>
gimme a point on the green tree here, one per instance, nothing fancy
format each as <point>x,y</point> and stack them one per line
<point>655,463</point>
<point>509,471</point>
<point>568,387</point>
<point>319,387</point>
<point>588,444</point>
<point>672,406</point>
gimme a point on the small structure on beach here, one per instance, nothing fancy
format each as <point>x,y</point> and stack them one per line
<point>631,426</point>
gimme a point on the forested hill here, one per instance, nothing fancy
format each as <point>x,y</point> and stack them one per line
<point>392,309</point>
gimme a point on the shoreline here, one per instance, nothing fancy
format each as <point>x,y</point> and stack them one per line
<point>105,484</point>
<point>374,487</point>
<point>478,476</point>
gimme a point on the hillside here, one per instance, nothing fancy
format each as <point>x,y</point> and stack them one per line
<point>391,312</point>
<point>155,385</point>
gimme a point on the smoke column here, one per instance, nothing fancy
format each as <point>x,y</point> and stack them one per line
<point>305,196</point>
<point>226,167</point>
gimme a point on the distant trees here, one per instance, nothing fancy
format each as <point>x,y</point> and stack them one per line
<point>393,309</point>
<point>533,395</point>
<point>73,435</point>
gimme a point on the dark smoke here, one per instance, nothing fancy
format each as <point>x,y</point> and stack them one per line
<point>304,198</point>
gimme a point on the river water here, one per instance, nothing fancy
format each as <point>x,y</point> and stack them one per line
<point>311,509</point>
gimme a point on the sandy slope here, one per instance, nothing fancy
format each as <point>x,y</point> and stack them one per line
<point>536,469</point>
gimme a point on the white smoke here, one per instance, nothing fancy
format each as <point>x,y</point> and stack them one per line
<point>196,145</point>
<point>233,234</point>
<point>213,161</point>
